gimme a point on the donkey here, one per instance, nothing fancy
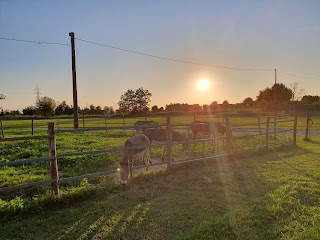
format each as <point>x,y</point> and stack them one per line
<point>140,125</point>
<point>128,155</point>
<point>160,135</point>
<point>212,128</point>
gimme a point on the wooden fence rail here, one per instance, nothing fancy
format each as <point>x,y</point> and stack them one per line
<point>53,156</point>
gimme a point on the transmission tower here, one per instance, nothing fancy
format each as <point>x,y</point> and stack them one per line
<point>37,93</point>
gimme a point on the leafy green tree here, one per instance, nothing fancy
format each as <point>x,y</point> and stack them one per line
<point>135,102</point>
<point>214,105</point>
<point>308,99</point>
<point>1,98</point>
<point>196,108</point>
<point>248,102</point>
<point>279,93</point>
<point>92,109</point>
<point>98,110</point>
<point>225,105</point>
<point>205,107</point>
<point>31,110</point>
<point>63,109</point>
<point>297,91</point>
<point>46,106</point>
<point>108,110</point>
<point>154,109</point>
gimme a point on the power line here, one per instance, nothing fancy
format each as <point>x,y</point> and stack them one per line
<point>36,42</point>
<point>299,76</point>
<point>172,59</point>
<point>156,56</point>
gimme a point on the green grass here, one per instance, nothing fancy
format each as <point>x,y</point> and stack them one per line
<point>262,194</point>
<point>266,195</point>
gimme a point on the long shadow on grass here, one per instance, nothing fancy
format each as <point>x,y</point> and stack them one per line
<point>299,166</point>
<point>166,205</point>
<point>213,199</point>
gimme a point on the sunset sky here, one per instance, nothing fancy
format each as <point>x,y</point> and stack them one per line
<point>255,35</point>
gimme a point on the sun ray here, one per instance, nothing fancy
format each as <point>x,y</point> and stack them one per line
<point>203,84</point>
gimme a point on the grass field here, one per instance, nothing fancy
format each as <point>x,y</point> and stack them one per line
<point>266,194</point>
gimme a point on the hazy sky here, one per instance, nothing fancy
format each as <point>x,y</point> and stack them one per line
<point>258,34</point>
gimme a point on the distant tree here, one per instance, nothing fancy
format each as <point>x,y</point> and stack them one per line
<point>154,109</point>
<point>248,102</point>
<point>63,109</point>
<point>14,113</point>
<point>31,110</point>
<point>1,98</point>
<point>179,107</point>
<point>225,105</point>
<point>108,110</point>
<point>297,91</point>
<point>46,106</point>
<point>135,102</point>
<point>214,105</point>
<point>196,108</point>
<point>92,109</point>
<point>205,107</point>
<point>267,96</point>
<point>86,111</point>
<point>308,99</point>
<point>283,94</point>
<point>98,110</point>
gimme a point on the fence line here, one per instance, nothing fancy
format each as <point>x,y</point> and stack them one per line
<point>53,156</point>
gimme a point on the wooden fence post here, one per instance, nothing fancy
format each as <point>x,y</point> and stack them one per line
<point>275,126</point>
<point>259,124</point>
<point>295,130</point>
<point>124,124</point>
<point>105,121</point>
<point>53,162</point>
<point>267,133</point>
<point>169,142</point>
<point>1,126</point>
<point>188,142</point>
<point>228,135</point>
<point>83,119</point>
<point>306,137</point>
<point>203,142</point>
<point>58,123</point>
<point>32,126</point>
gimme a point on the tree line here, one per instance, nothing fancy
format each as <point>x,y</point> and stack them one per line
<point>136,103</point>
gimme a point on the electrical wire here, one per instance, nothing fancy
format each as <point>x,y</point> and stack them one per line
<point>156,56</point>
<point>172,59</point>
<point>298,76</point>
<point>36,42</point>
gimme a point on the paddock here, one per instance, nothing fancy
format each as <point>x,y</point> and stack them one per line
<point>244,138</point>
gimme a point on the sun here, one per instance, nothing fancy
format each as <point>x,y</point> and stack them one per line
<point>203,84</point>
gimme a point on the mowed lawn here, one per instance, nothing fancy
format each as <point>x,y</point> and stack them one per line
<point>272,194</point>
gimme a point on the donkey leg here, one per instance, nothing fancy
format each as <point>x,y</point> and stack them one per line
<point>131,165</point>
<point>163,152</point>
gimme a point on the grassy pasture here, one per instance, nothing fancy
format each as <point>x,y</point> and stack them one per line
<point>142,196</point>
<point>89,141</point>
<point>261,195</point>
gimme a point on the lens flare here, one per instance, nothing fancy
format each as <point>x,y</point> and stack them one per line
<point>203,84</point>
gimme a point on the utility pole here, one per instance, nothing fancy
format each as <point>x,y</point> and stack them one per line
<point>74,80</point>
<point>275,104</point>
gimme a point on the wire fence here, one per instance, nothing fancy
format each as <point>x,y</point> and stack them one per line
<point>236,138</point>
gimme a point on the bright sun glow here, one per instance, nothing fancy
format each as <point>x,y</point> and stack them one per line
<point>203,84</point>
